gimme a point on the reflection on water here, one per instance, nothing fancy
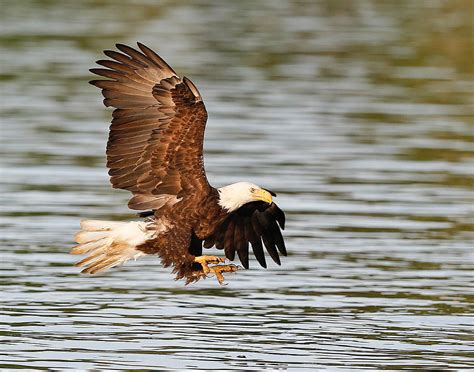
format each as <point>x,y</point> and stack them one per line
<point>356,113</point>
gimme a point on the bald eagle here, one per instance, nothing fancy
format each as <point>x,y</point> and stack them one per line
<point>155,150</point>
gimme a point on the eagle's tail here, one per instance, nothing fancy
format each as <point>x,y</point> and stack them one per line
<point>107,244</point>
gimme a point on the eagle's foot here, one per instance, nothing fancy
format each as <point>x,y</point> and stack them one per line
<point>204,261</point>
<point>219,269</point>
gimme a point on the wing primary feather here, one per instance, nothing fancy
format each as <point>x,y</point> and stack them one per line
<point>256,224</point>
<point>241,244</point>
<point>107,73</point>
<point>220,235</point>
<point>270,245</point>
<point>229,243</point>
<point>278,214</point>
<point>258,220</point>
<point>115,65</point>
<point>255,241</point>
<point>122,58</point>
<point>276,233</point>
<point>135,54</point>
<point>154,57</point>
<point>209,242</point>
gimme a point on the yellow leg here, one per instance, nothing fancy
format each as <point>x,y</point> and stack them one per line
<point>206,260</point>
<point>219,269</point>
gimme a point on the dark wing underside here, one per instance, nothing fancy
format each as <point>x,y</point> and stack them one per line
<point>156,137</point>
<point>251,224</point>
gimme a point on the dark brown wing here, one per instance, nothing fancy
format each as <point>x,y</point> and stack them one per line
<point>156,137</point>
<point>252,223</point>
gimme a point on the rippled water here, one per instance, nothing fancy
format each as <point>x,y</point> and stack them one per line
<point>356,113</point>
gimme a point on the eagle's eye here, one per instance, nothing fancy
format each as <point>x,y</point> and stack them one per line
<point>252,189</point>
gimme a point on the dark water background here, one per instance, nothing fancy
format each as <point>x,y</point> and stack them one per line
<point>357,113</point>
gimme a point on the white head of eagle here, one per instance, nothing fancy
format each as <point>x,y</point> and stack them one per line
<point>232,197</point>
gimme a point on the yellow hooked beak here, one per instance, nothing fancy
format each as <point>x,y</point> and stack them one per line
<point>263,195</point>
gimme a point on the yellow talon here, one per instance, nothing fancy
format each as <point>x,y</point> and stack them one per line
<point>219,269</point>
<point>206,260</point>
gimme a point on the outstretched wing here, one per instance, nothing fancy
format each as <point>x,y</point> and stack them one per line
<point>156,137</point>
<point>252,223</point>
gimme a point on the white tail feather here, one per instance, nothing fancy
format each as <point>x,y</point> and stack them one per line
<point>97,225</point>
<point>108,244</point>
